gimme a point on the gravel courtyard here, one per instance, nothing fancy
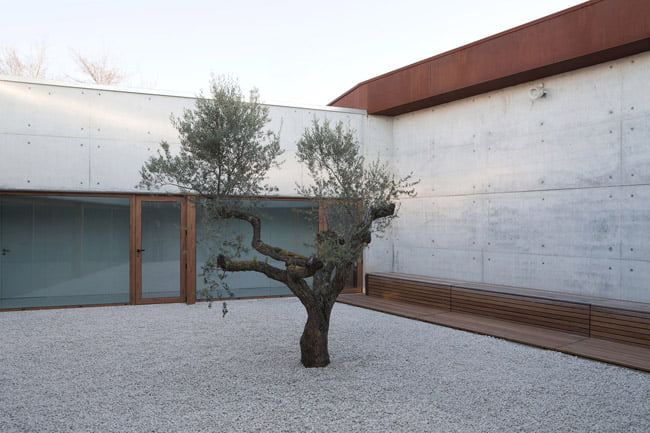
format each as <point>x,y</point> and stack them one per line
<point>180,368</point>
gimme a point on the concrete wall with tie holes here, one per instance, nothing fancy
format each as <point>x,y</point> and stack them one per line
<point>548,192</point>
<point>62,137</point>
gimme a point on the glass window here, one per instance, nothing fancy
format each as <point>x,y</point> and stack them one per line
<point>161,246</point>
<point>63,250</point>
<point>287,224</point>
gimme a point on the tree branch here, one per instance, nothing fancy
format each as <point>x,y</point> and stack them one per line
<point>252,265</point>
<point>291,259</point>
<point>293,278</point>
<point>363,234</point>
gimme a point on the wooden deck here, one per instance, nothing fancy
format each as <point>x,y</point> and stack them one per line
<point>626,355</point>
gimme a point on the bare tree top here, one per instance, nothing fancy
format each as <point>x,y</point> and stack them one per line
<point>101,70</point>
<point>29,66</point>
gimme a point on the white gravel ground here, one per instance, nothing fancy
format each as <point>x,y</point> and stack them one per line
<point>180,368</point>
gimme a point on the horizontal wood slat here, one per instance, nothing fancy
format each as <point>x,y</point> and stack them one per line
<point>621,320</point>
<point>598,327</point>
<point>562,315</point>
<point>578,311</point>
<point>529,311</point>
<point>415,292</point>
<point>420,297</point>
<point>523,310</point>
<point>528,320</point>
<point>632,316</point>
<point>623,326</point>
<point>434,291</point>
<point>619,338</point>
<point>580,315</point>
<point>522,298</point>
<point>414,287</point>
<point>412,299</point>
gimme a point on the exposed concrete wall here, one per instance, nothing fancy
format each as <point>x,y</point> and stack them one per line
<point>552,193</point>
<point>70,138</point>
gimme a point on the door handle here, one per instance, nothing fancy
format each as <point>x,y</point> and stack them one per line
<point>140,250</point>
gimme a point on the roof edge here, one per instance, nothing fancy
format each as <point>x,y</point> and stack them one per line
<point>164,93</point>
<point>466,46</point>
<point>592,32</point>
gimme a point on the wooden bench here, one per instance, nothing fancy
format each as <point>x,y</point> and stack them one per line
<point>628,325</point>
<point>546,313</point>
<point>416,291</point>
<point>618,321</point>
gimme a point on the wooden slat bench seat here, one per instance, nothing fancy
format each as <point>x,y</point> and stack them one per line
<point>608,330</point>
<point>429,293</point>
<point>547,313</point>
<point>621,325</point>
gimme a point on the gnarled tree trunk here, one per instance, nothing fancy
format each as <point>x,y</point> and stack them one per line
<point>328,283</point>
<point>313,343</point>
<point>329,279</point>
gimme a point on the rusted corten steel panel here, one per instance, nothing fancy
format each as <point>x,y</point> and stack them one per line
<point>593,32</point>
<point>355,99</point>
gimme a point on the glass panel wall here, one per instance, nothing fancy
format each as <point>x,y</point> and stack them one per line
<point>63,250</point>
<point>287,224</point>
<point>161,249</point>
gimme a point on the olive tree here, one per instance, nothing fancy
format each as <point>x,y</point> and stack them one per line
<point>226,153</point>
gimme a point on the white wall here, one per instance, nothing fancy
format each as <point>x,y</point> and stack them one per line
<point>552,193</point>
<point>57,137</point>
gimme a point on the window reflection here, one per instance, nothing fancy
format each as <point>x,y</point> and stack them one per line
<point>287,224</point>
<point>60,250</point>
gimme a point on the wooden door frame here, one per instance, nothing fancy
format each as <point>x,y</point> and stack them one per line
<point>188,249</point>
<point>186,259</point>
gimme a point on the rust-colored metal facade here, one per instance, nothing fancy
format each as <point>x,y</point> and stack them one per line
<point>593,32</point>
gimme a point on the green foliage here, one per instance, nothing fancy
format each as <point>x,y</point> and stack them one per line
<point>351,188</point>
<point>224,147</point>
<point>338,169</point>
<point>225,152</point>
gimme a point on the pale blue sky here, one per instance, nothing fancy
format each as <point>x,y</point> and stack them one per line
<point>298,52</point>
